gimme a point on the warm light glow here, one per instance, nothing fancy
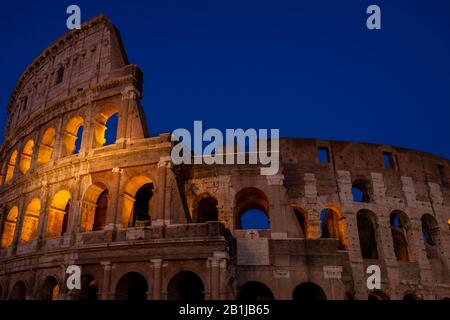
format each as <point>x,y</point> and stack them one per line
<point>100,124</point>
<point>46,146</point>
<point>25,157</point>
<point>55,292</point>
<point>128,198</point>
<point>31,220</point>
<point>56,213</point>
<point>70,134</point>
<point>11,166</point>
<point>89,205</point>
<point>9,227</point>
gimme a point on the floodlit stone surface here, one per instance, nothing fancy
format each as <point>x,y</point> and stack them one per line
<point>139,227</point>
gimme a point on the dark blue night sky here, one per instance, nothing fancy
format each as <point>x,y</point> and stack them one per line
<point>309,68</point>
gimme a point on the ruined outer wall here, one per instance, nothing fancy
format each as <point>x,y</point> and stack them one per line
<point>98,81</point>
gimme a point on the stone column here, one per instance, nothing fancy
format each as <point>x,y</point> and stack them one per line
<point>106,283</point>
<point>113,201</point>
<point>160,214</point>
<point>43,214</point>
<point>215,278</point>
<point>313,229</point>
<point>277,212</point>
<point>157,278</point>
<point>59,148</point>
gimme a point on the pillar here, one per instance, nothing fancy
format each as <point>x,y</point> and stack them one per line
<point>106,283</point>
<point>157,278</point>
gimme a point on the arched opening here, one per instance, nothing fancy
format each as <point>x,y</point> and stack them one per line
<point>252,209</point>
<point>105,126</point>
<point>360,190</point>
<point>73,135</point>
<point>308,291</point>
<point>411,297</point>
<point>132,286</point>
<point>26,156</point>
<point>9,227</point>
<point>430,230</point>
<point>46,146</point>
<point>378,295</point>
<point>89,289</point>
<point>332,226</point>
<point>49,289</point>
<point>19,291</point>
<point>94,208</point>
<point>11,167</point>
<point>254,290</point>
<point>138,202</point>
<point>301,216</point>
<point>185,285</point>
<point>111,129</point>
<point>207,210</point>
<point>31,221</point>
<point>58,214</point>
<point>366,232</point>
<point>399,227</point>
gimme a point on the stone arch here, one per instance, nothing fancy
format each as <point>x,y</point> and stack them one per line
<point>301,216</point>
<point>132,286</point>
<point>206,208</point>
<point>58,214</point>
<point>9,227</point>
<point>138,196</point>
<point>401,233</point>
<point>367,222</point>
<point>94,207</point>
<point>251,199</point>
<point>49,289</point>
<point>308,291</point>
<point>26,156</point>
<point>333,225</point>
<point>101,119</point>
<point>19,291</point>
<point>378,295</point>
<point>411,296</point>
<point>31,221</point>
<point>46,146</point>
<point>11,167</point>
<point>430,230</point>
<point>71,134</point>
<point>254,290</point>
<point>185,285</point>
<point>361,190</point>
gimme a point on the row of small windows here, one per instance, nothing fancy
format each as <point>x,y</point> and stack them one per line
<point>389,162</point>
<point>71,139</point>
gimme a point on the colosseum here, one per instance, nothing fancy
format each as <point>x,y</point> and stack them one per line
<point>141,227</point>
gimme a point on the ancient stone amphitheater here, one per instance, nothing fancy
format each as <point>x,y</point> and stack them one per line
<point>142,228</point>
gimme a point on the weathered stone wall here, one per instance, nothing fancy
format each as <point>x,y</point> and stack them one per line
<point>98,82</point>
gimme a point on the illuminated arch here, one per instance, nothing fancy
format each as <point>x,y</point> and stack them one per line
<point>332,224</point>
<point>49,289</point>
<point>31,221</point>
<point>58,214</point>
<point>46,146</point>
<point>71,134</point>
<point>131,197</point>
<point>26,156</point>
<point>9,227</point>
<point>94,207</point>
<point>11,166</point>
<point>101,120</point>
